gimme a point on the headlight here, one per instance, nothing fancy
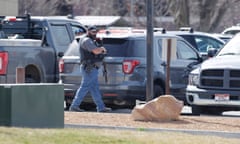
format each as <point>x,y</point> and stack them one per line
<point>193,79</point>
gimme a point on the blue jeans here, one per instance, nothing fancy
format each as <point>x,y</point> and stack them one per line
<point>89,83</point>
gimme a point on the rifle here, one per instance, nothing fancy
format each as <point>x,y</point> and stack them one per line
<point>105,72</point>
<point>100,42</point>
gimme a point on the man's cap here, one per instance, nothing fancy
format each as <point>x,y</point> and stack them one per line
<point>92,28</point>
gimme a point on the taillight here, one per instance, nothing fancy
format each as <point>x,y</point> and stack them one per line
<point>61,65</point>
<point>3,62</point>
<point>129,65</point>
<point>12,19</point>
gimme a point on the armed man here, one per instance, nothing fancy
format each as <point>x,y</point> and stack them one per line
<point>92,56</point>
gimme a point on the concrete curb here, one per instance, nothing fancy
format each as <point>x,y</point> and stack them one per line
<point>194,132</point>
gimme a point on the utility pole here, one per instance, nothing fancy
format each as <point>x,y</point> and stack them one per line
<point>149,87</point>
<point>131,12</point>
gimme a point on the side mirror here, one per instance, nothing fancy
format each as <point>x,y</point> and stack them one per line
<point>211,52</point>
<point>200,59</point>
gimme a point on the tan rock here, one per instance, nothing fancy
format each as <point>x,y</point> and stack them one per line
<point>162,108</point>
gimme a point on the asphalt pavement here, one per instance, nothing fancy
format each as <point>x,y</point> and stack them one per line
<point>186,111</point>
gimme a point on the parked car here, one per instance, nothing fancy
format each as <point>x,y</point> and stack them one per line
<point>202,41</point>
<point>126,68</point>
<point>232,30</point>
<point>214,87</point>
<point>224,37</point>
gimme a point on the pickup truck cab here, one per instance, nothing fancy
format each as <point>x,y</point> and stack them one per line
<point>35,44</point>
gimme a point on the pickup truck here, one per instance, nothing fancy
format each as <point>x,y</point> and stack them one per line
<point>214,86</point>
<point>35,44</point>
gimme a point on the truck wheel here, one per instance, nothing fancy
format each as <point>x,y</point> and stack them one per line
<point>196,110</point>
<point>67,105</point>
<point>32,75</point>
<point>211,110</point>
<point>158,90</point>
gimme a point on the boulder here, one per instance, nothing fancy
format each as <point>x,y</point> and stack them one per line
<point>162,108</point>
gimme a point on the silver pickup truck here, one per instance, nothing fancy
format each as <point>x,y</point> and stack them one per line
<point>35,44</point>
<point>214,87</point>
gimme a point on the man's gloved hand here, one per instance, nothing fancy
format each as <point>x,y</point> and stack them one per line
<point>104,51</point>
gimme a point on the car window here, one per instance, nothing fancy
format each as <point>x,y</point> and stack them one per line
<point>184,51</point>
<point>190,39</point>
<point>204,43</point>
<point>73,49</point>
<point>61,36</point>
<point>137,48</point>
<point>37,30</point>
<point>77,29</point>
<point>117,47</point>
<point>20,28</point>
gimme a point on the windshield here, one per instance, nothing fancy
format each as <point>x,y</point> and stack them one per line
<point>232,47</point>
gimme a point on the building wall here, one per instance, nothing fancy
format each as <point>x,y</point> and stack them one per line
<point>8,7</point>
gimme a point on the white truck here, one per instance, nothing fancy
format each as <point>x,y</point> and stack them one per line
<point>214,87</point>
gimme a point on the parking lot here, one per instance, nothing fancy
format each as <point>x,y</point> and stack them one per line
<point>223,126</point>
<point>185,111</point>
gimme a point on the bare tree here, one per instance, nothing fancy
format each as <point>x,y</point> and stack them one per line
<point>211,13</point>
<point>203,15</point>
<point>122,7</point>
<point>180,10</point>
<point>26,6</point>
<point>44,7</point>
<point>63,8</point>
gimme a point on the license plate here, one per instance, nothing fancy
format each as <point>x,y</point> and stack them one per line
<point>222,97</point>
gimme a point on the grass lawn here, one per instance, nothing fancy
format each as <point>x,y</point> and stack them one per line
<point>11,135</point>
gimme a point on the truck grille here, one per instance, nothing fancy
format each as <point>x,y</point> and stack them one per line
<point>220,79</point>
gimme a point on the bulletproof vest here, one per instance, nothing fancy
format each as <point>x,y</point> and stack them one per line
<point>89,57</point>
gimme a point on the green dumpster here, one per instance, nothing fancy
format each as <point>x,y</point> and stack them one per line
<point>32,105</point>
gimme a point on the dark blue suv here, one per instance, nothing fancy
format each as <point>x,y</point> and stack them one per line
<point>126,68</point>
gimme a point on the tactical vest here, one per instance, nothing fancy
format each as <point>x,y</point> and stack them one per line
<point>89,57</point>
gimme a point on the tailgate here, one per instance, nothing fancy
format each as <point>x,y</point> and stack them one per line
<point>115,75</point>
<point>71,73</point>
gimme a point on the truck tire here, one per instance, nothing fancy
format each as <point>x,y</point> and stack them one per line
<point>196,110</point>
<point>212,110</point>
<point>68,103</point>
<point>32,75</point>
